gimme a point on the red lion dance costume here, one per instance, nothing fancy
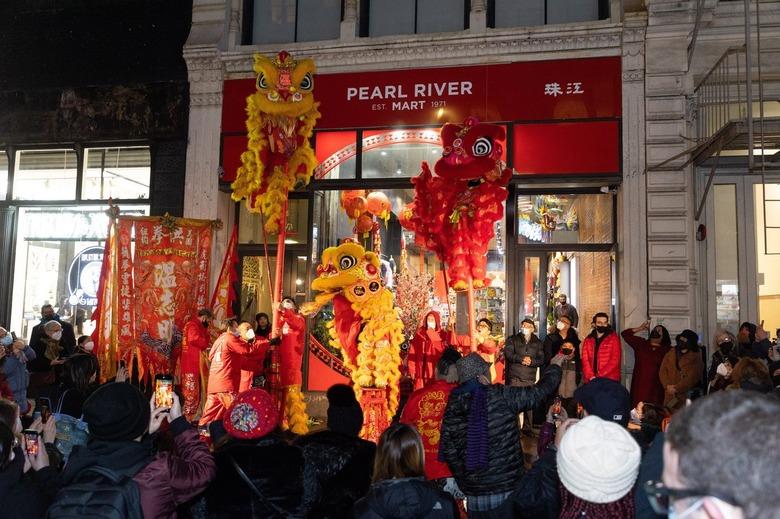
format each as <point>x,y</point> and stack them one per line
<point>453,213</point>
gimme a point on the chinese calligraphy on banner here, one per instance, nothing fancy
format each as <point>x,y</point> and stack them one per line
<point>157,276</point>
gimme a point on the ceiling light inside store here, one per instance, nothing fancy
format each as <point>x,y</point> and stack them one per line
<point>383,153</point>
<point>289,241</point>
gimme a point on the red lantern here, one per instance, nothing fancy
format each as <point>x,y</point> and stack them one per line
<point>353,202</point>
<point>379,205</point>
<point>364,224</point>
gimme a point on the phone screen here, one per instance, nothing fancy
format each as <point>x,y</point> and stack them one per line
<point>44,406</point>
<point>163,391</point>
<point>31,441</point>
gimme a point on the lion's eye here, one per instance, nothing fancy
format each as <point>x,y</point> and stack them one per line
<point>307,83</point>
<point>347,262</point>
<point>482,147</point>
<point>262,84</point>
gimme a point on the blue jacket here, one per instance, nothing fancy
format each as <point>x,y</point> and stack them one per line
<point>18,377</point>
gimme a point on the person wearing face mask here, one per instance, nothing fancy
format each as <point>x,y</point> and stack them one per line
<point>648,355</point>
<point>49,354</point>
<point>524,354</point>
<point>425,350</point>
<point>14,368</point>
<point>681,369</point>
<point>226,358</point>
<point>601,351</point>
<point>84,344</point>
<point>193,364</point>
<point>563,308</point>
<point>724,358</point>
<point>565,334</point>
<point>290,351</point>
<point>68,339</point>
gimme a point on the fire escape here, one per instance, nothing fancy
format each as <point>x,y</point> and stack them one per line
<point>737,104</point>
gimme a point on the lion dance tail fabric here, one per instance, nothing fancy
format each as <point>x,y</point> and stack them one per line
<point>280,120</point>
<point>454,212</point>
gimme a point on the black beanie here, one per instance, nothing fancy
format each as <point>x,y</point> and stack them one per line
<point>117,411</point>
<point>344,412</point>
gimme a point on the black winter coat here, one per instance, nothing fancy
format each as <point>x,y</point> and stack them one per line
<point>337,474</point>
<point>515,350</point>
<point>408,498</point>
<point>27,496</point>
<point>275,468</point>
<point>505,456</point>
<point>538,496</point>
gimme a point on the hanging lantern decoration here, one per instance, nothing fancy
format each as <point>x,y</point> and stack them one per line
<point>364,224</point>
<point>353,202</point>
<point>379,205</point>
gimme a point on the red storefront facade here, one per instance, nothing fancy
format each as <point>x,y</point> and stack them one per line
<point>563,120</point>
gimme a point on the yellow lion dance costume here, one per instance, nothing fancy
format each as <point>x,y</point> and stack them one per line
<point>366,326</point>
<point>280,119</point>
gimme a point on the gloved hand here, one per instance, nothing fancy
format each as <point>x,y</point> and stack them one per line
<point>275,340</point>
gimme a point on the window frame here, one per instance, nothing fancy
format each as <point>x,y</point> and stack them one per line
<point>364,17</point>
<point>248,17</point>
<point>80,150</point>
<point>603,9</point>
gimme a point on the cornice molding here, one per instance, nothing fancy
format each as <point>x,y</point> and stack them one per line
<point>425,51</point>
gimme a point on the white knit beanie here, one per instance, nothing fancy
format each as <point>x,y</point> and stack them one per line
<point>598,461</point>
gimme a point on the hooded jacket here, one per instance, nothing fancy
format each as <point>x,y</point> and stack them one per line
<point>515,350</point>
<point>681,370</point>
<point>165,480</point>
<point>505,456</point>
<point>425,351</point>
<point>291,348</point>
<point>405,498</point>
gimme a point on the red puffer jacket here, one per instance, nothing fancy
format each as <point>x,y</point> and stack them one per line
<point>609,357</point>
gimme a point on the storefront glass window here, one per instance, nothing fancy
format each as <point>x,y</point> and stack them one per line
<point>335,152</point>
<point>3,175</point>
<point>399,153</point>
<point>726,260</point>
<point>553,219</point>
<point>511,13</point>
<point>250,225</point>
<point>768,255</point>
<point>58,255</point>
<point>119,173</point>
<point>45,175</point>
<point>569,11</point>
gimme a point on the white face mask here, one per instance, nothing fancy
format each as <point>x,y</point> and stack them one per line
<point>250,334</point>
<point>7,340</point>
<point>635,416</point>
<point>723,370</point>
<point>88,346</point>
<point>431,324</point>
<point>560,325</point>
<point>56,335</point>
<point>527,332</point>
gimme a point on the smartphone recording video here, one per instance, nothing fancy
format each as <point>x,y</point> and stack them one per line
<point>163,391</point>
<point>31,441</point>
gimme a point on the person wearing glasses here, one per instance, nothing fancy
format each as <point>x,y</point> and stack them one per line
<point>693,486</point>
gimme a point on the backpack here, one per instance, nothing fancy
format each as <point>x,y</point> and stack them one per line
<point>98,492</point>
<point>70,431</point>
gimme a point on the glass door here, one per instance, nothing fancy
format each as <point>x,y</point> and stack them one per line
<point>257,281</point>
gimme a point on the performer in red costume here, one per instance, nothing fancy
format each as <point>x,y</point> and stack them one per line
<point>425,350</point>
<point>193,364</point>
<point>288,349</point>
<point>227,357</point>
<point>253,365</point>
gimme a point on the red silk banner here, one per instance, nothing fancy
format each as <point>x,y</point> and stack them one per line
<point>224,295</point>
<point>155,277</point>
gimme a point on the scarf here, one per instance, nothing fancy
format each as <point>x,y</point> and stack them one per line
<point>477,428</point>
<point>53,348</point>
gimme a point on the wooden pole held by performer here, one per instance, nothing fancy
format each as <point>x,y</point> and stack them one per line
<point>278,285</point>
<point>472,316</point>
